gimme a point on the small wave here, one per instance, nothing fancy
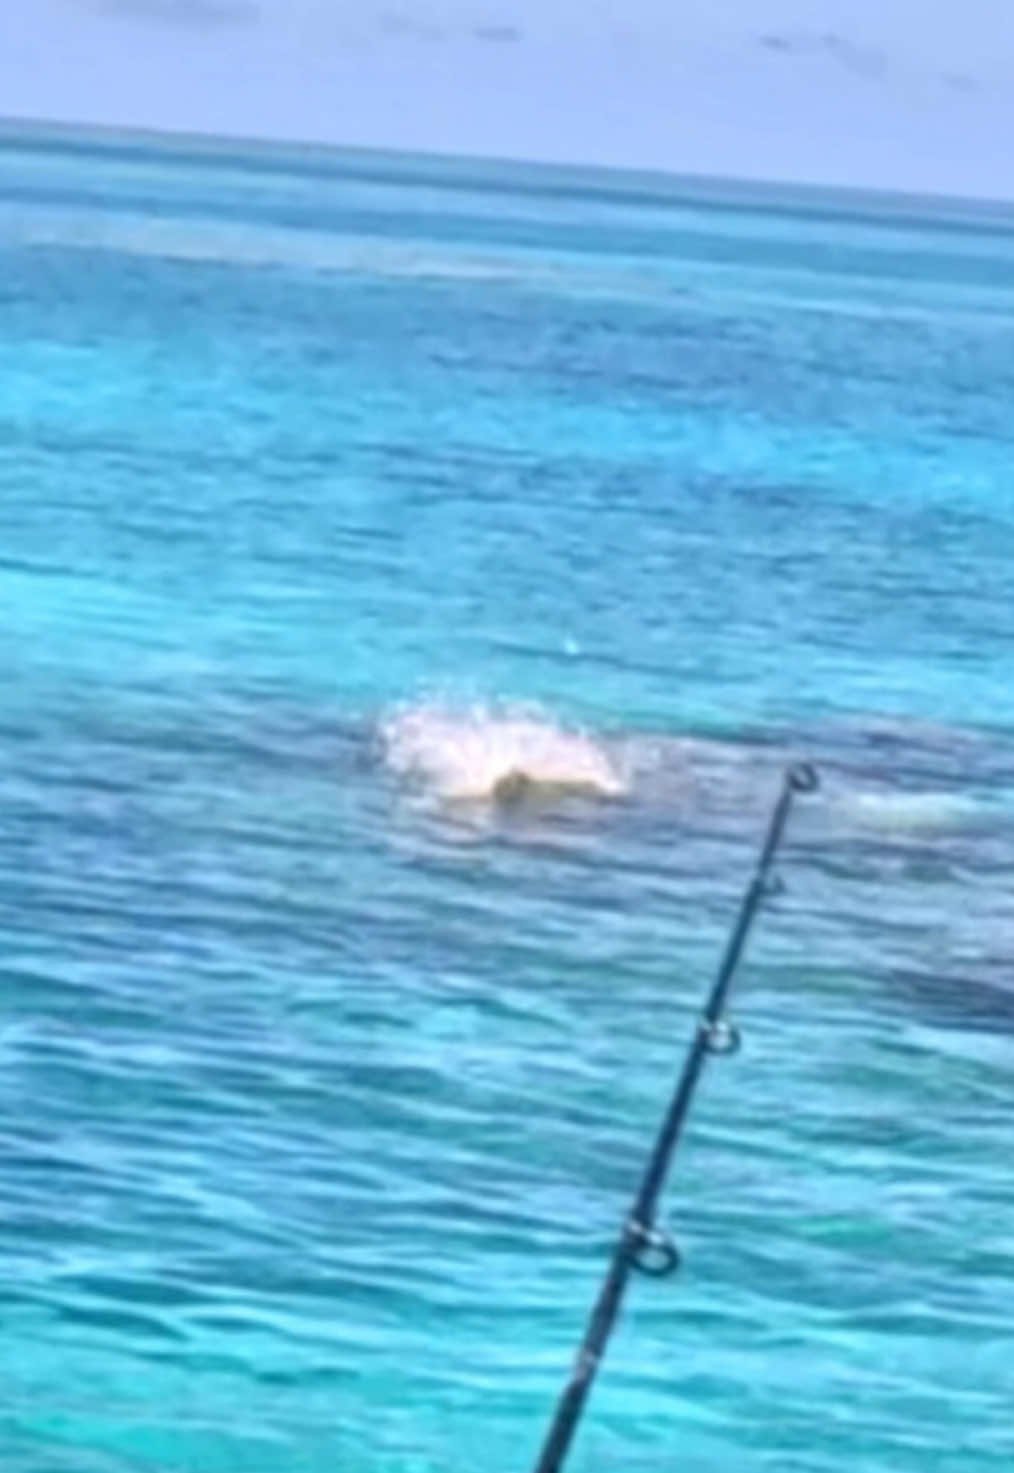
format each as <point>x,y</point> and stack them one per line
<point>482,754</point>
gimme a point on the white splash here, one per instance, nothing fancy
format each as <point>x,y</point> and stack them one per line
<point>481,753</point>
<point>901,813</point>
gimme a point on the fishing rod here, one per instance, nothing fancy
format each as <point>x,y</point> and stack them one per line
<point>641,1245</point>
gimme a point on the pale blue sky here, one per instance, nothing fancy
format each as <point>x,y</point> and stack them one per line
<point>895,93</point>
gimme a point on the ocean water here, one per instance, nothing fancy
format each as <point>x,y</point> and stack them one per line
<point>336,490</point>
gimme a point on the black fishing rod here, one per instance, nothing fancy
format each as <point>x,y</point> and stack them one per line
<point>641,1245</point>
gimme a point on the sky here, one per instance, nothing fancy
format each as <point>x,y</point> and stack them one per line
<point>870,93</point>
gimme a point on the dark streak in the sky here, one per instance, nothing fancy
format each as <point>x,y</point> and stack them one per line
<point>187,12</point>
<point>501,34</point>
<point>961,82</point>
<point>410,27</point>
<point>413,28</point>
<point>863,60</point>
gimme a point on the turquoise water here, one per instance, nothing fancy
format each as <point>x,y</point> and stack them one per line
<point>332,490</point>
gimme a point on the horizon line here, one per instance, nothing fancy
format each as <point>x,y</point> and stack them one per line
<point>105,137</point>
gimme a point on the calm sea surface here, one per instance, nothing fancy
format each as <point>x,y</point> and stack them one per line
<point>336,488</point>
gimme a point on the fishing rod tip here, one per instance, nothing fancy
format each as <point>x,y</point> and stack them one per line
<point>802,777</point>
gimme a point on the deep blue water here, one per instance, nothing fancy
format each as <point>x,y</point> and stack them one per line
<point>333,488</point>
